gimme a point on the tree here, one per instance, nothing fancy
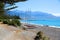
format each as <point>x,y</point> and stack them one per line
<point>5,18</point>
<point>11,2</point>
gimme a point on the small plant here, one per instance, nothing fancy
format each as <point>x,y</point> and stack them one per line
<point>14,22</point>
<point>0,20</point>
<point>46,38</point>
<point>40,36</point>
<point>5,21</point>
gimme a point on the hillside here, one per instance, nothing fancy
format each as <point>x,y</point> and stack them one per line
<point>12,33</point>
<point>29,15</point>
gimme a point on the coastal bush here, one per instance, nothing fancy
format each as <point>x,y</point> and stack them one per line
<point>46,38</point>
<point>0,20</point>
<point>40,33</point>
<point>5,21</point>
<point>14,22</point>
<point>40,36</point>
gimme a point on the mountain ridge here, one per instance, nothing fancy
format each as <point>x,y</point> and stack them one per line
<point>29,15</point>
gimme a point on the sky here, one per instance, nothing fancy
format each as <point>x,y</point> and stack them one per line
<point>48,6</point>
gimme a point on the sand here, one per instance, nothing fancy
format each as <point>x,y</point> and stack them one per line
<point>8,32</point>
<point>51,32</point>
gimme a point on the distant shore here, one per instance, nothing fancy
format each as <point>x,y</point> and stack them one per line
<point>40,25</point>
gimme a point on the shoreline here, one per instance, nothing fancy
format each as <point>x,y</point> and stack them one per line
<point>40,25</point>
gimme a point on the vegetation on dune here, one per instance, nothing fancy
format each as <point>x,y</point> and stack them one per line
<point>7,19</point>
<point>40,36</point>
<point>14,22</point>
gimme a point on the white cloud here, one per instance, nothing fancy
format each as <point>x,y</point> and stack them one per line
<point>57,14</point>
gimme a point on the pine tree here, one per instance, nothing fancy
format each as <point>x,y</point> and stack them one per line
<point>6,18</point>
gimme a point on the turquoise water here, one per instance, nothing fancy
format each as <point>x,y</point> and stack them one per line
<point>44,22</point>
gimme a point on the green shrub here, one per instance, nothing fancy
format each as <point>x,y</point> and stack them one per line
<point>16,22</point>
<point>5,21</point>
<point>10,20</point>
<point>0,20</point>
<point>46,38</point>
<point>40,36</point>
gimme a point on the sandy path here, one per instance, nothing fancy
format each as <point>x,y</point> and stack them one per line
<point>12,33</point>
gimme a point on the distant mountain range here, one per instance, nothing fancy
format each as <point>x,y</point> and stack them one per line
<point>29,15</point>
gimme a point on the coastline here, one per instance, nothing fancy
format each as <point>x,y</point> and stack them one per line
<point>40,25</point>
<point>51,31</point>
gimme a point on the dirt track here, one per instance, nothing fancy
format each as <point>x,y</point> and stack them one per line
<point>11,33</point>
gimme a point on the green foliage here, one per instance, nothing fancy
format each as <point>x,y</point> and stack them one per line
<point>10,20</point>
<point>11,1</point>
<point>7,19</point>
<point>1,5</point>
<point>14,22</point>
<point>1,9</point>
<point>0,20</point>
<point>40,36</point>
<point>16,17</point>
<point>46,38</point>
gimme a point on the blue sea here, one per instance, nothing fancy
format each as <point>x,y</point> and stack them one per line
<point>52,22</point>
